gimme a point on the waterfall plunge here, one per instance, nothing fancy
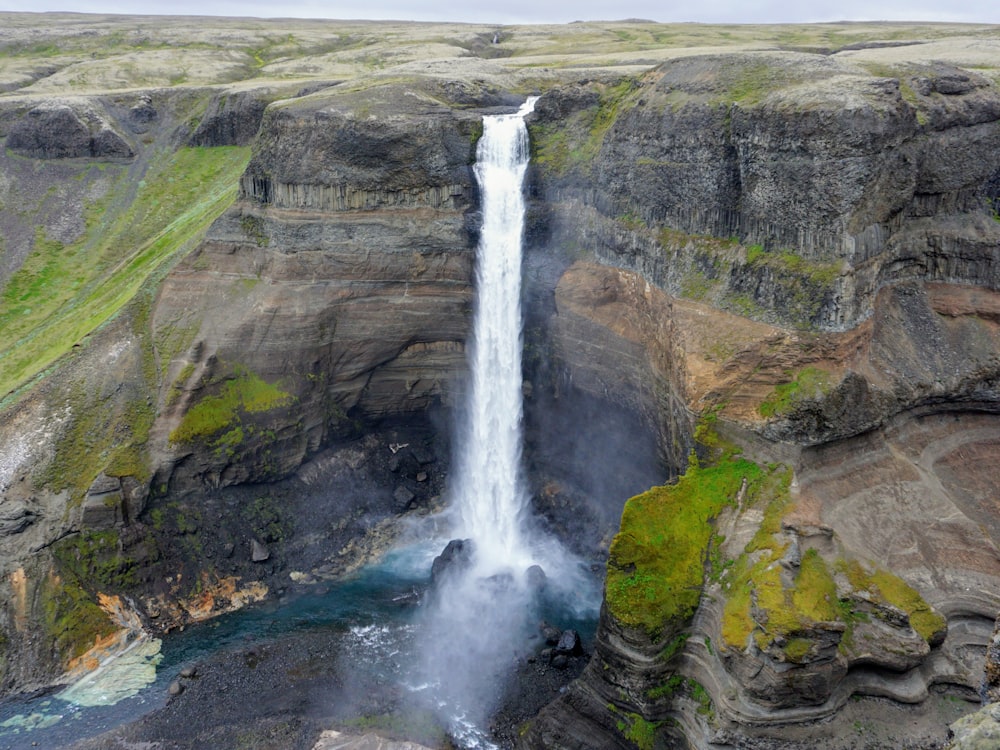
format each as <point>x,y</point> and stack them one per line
<point>479,618</point>
<point>489,489</point>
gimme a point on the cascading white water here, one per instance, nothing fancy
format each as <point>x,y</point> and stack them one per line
<point>489,488</point>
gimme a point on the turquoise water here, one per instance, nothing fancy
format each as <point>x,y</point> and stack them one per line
<point>376,594</point>
<point>382,594</point>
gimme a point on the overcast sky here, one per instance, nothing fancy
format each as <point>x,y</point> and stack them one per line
<point>550,11</point>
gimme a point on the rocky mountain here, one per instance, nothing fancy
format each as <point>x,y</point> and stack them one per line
<point>761,264</point>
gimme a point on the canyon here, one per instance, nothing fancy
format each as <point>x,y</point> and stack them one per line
<point>761,346</point>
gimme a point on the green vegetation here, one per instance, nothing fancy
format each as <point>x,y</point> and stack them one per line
<point>638,731</point>
<point>808,383</point>
<point>884,586</point>
<point>109,435</point>
<point>92,558</point>
<point>573,144</point>
<point>763,603</point>
<point>243,394</point>
<point>86,563</point>
<point>62,293</point>
<point>790,263</point>
<point>656,564</point>
<point>267,519</point>
<point>71,618</point>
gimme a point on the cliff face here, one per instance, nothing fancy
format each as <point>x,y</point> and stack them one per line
<point>346,211</point>
<point>790,189</point>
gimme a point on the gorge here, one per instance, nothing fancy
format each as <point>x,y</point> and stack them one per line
<point>760,278</point>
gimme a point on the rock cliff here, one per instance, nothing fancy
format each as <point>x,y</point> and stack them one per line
<point>790,190</point>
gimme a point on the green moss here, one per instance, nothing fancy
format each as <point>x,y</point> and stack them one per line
<point>656,564</point>
<point>807,383</point>
<point>86,563</point>
<point>797,649</point>
<point>790,263</point>
<point>638,731</point>
<point>268,519</point>
<point>70,617</point>
<point>241,395</point>
<point>255,229</point>
<point>573,144</point>
<point>891,589</point>
<point>92,558</point>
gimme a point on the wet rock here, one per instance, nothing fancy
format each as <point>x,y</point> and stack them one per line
<point>456,555</point>
<point>422,455</point>
<point>189,672</point>
<point>569,643</point>
<point>551,635</point>
<point>258,551</point>
<point>175,689</point>
<point>560,661</point>
<point>535,578</point>
<point>395,463</point>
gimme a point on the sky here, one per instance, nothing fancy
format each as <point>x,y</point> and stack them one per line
<point>549,11</point>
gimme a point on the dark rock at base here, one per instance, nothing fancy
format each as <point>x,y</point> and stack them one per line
<point>535,578</point>
<point>560,662</point>
<point>569,643</point>
<point>499,583</point>
<point>403,497</point>
<point>551,634</point>
<point>259,552</point>
<point>422,455</point>
<point>141,115</point>
<point>55,130</point>
<point>458,553</point>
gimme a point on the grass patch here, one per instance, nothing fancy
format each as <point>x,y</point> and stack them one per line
<point>63,293</point>
<point>241,395</point>
<point>657,559</point>
<point>808,383</point>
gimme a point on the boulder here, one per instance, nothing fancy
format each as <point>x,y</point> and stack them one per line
<point>258,551</point>
<point>569,643</point>
<point>456,555</point>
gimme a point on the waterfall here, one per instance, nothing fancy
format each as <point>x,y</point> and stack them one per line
<point>480,612</point>
<point>489,488</point>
